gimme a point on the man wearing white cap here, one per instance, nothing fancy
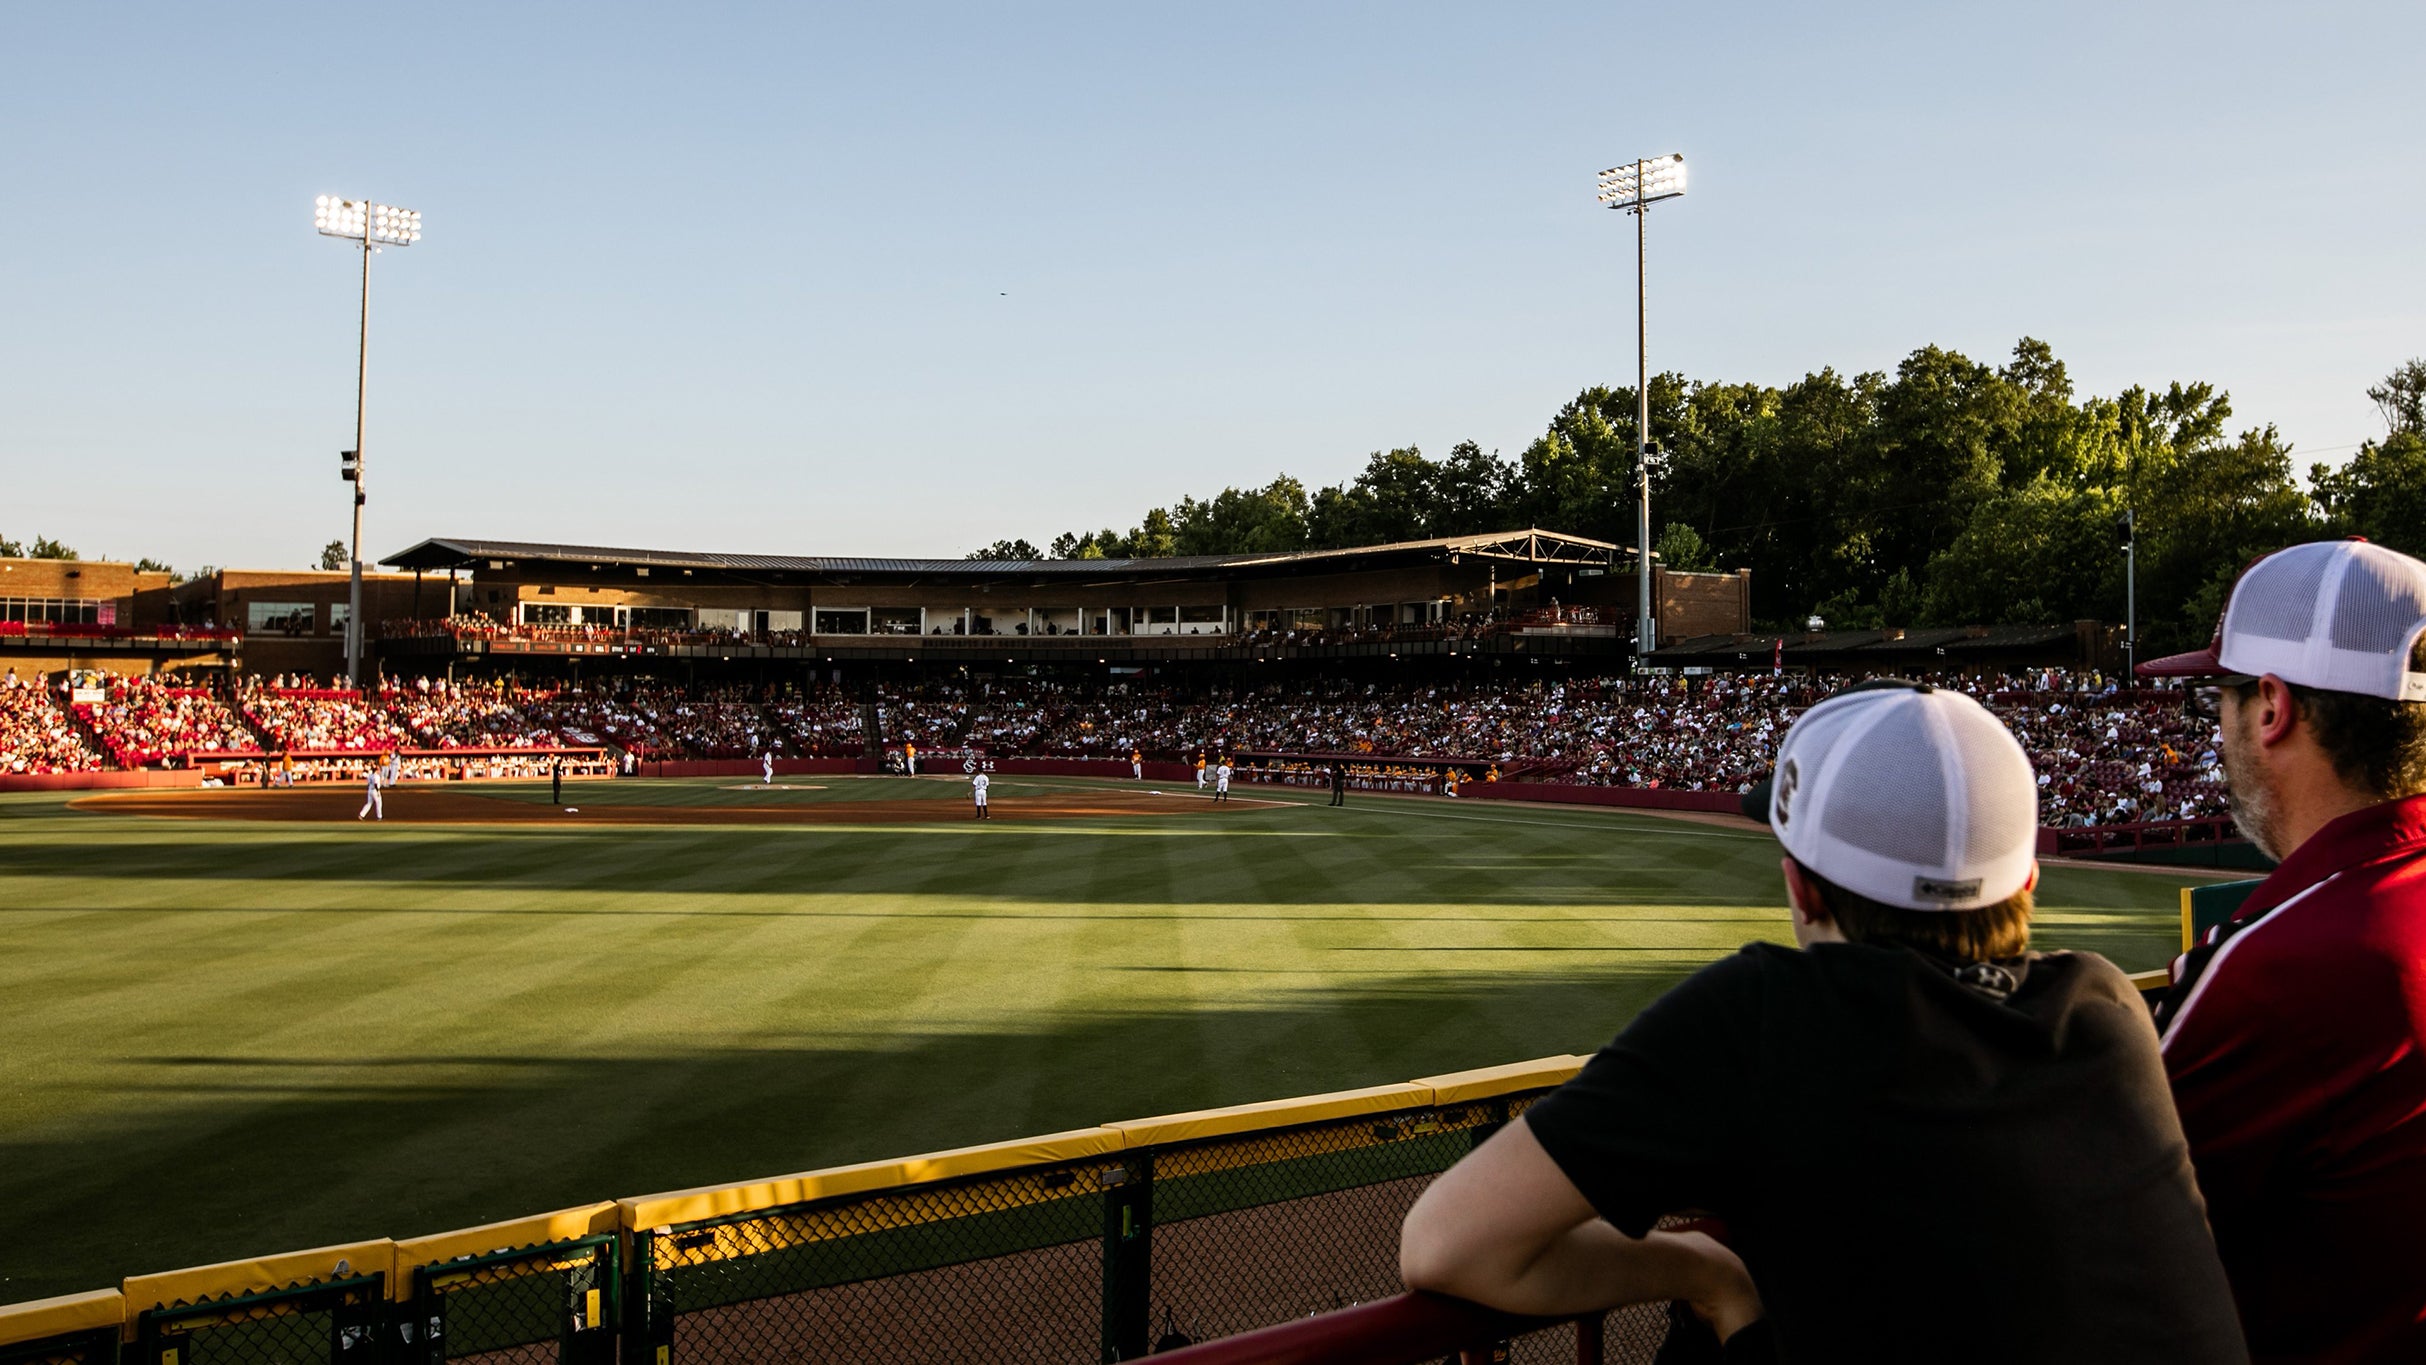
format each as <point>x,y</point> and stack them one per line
<point>2295,1033</point>
<point>1927,1143</point>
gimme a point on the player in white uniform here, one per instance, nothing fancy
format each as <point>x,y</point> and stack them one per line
<point>766,764</point>
<point>1221,781</point>
<point>977,789</point>
<point>371,804</point>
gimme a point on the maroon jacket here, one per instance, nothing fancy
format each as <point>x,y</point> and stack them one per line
<point>2296,1043</point>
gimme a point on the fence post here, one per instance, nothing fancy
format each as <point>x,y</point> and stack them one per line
<point>1128,1256</point>
<point>648,1315</point>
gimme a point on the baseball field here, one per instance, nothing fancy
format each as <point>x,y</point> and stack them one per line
<point>238,1023</point>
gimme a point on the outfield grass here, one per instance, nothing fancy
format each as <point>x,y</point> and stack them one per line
<point>226,1039</point>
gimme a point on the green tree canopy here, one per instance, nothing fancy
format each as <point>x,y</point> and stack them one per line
<point>1949,491</point>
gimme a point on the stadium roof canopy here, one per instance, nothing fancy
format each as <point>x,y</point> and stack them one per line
<point>1529,546</point>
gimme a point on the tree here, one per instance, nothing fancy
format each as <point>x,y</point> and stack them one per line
<point>46,548</point>
<point>1009,550</point>
<point>2402,399</point>
<point>333,555</point>
<point>147,564</point>
<point>2381,492</point>
<point>1267,520</point>
<point>1394,499</point>
<point>11,549</point>
<point>1680,549</point>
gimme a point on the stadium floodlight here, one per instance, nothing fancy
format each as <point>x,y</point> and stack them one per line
<point>1634,188</point>
<point>374,227</point>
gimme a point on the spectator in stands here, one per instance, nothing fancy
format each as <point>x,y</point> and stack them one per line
<point>2295,1033</point>
<point>1926,1141</point>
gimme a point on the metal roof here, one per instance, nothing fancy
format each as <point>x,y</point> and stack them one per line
<point>1526,546</point>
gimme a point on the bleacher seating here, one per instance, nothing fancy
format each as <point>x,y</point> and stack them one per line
<point>144,722</point>
<point>36,735</point>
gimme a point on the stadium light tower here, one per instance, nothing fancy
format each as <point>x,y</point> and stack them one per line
<point>1634,188</point>
<point>374,226</point>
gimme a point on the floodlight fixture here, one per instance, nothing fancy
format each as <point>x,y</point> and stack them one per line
<point>373,227</point>
<point>361,220</point>
<point>1633,188</point>
<point>1639,183</point>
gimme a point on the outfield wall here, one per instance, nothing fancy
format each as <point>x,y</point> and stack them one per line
<point>1633,798</point>
<point>68,782</point>
<point>1097,1243</point>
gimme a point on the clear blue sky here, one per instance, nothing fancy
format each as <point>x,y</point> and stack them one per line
<point>903,279</point>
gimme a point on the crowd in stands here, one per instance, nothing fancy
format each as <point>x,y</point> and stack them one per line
<point>36,735</point>
<point>144,722</point>
<point>319,719</point>
<point>450,715</point>
<point>2105,754</point>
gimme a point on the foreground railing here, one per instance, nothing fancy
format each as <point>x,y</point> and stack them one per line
<point>1415,1329</point>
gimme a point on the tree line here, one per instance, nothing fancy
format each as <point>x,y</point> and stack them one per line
<point>1950,492</point>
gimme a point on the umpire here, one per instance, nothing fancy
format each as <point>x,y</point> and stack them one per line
<point>1339,783</point>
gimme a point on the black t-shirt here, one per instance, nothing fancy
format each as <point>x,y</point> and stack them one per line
<point>1912,1169</point>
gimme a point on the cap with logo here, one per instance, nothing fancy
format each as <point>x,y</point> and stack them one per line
<point>2337,615</point>
<point>1909,795</point>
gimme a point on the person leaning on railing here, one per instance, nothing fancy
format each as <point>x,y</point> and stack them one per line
<point>2295,1033</point>
<point>1926,1142</point>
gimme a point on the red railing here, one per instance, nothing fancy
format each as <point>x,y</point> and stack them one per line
<point>2055,841</point>
<point>71,630</point>
<point>1411,1329</point>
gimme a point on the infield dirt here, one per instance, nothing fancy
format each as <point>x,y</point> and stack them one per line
<point>442,807</point>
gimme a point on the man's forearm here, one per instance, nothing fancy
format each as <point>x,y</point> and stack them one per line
<point>1590,1267</point>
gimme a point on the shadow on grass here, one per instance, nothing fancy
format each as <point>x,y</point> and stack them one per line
<point>217,1157</point>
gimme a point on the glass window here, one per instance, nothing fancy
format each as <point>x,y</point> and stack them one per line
<point>279,618</point>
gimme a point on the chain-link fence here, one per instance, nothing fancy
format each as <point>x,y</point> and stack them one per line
<point>1096,1258</point>
<point>342,1322</point>
<point>536,1305</point>
<point>999,1268</point>
<point>95,1347</point>
<point>1266,1227</point>
<point>1105,1259</point>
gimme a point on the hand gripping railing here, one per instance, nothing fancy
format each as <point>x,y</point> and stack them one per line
<point>1409,1329</point>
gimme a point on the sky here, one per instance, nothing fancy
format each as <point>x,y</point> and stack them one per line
<point>904,279</point>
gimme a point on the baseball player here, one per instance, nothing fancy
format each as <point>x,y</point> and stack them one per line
<point>1200,772</point>
<point>977,790</point>
<point>766,764</point>
<point>1137,764</point>
<point>1221,781</point>
<point>370,803</point>
<point>909,759</point>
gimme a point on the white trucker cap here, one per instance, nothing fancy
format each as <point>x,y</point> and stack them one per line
<point>1908,794</point>
<point>2338,615</point>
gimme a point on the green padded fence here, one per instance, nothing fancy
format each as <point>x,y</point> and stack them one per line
<point>1101,1244</point>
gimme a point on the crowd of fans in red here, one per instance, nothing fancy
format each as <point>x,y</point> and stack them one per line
<point>2104,754</point>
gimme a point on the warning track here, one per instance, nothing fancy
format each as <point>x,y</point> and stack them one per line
<point>408,806</point>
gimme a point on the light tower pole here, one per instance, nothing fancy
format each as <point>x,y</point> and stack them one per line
<point>374,227</point>
<point>1634,188</point>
